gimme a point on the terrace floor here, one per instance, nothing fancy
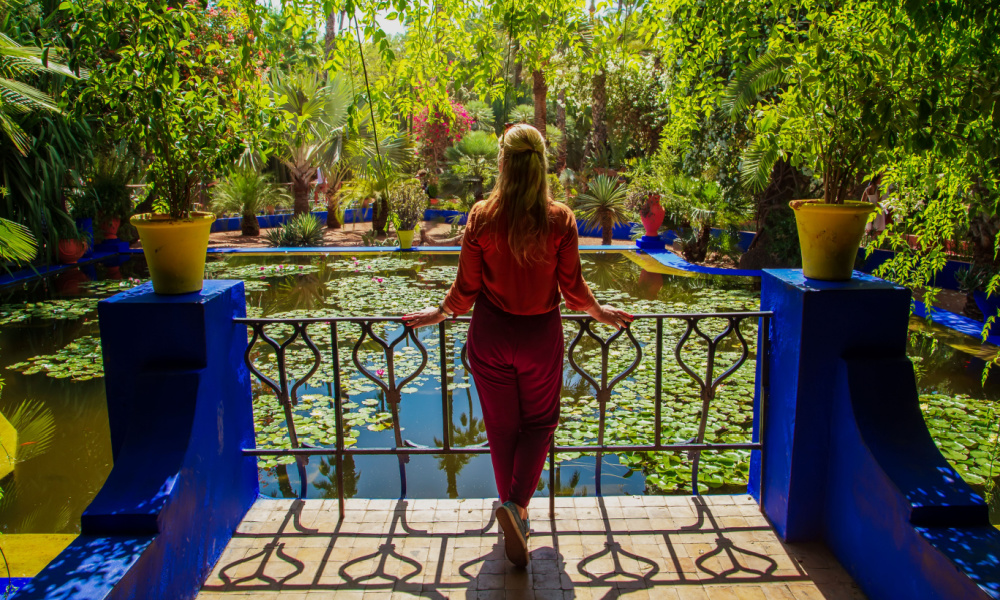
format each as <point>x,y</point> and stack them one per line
<point>658,547</point>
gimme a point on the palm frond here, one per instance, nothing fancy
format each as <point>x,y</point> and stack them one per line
<point>16,242</point>
<point>767,71</point>
<point>34,423</point>
<point>758,162</point>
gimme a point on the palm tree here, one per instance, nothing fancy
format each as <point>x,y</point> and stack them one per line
<point>377,164</point>
<point>248,191</point>
<point>474,159</point>
<point>472,433</point>
<point>315,115</point>
<point>603,205</point>
<point>17,97</point>
<point>483,118</point>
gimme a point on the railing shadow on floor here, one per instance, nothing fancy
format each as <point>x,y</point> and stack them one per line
<point>395,556</point>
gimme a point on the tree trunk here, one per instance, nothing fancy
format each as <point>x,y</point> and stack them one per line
<point>540,89</point>
<point>332,208</point>
<point>249,225</point>
<point>517,67</point>
<point>300,195</point>
<point>330,41</point>
<point>599,128</point>
<point>697,251</point>
<point>607,229</point>
<point>380,215</point>
<point>773,246</point>
<point>561,124</point>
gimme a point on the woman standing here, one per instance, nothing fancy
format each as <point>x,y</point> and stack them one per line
<point>519,252</point>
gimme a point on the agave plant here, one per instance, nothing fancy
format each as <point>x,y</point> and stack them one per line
<point>248,192</point>
<point>603,205</point>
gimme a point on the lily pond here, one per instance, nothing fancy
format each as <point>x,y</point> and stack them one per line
<point>54,389</point>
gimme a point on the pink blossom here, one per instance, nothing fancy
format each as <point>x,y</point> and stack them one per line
<point>380,372</point>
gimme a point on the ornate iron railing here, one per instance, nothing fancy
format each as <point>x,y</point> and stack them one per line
<point>603,384</point>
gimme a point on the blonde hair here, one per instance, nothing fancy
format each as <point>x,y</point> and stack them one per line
<point>522,193</point>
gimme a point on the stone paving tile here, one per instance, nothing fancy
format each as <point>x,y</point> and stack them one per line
<point>636,547</point>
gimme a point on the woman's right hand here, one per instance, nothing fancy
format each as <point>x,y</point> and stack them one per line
<point>610,315</point>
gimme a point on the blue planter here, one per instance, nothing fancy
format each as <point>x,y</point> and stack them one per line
<point>987,305</point>
<point>86,227</point>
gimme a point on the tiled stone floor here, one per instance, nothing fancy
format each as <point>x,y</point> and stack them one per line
<point>710,547</point>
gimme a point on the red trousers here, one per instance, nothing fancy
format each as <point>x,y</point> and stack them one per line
<point>517,367</point>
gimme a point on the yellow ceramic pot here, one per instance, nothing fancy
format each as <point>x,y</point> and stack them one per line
<point>829,236</point>
<point>405,239</point>
<point>175,250</point>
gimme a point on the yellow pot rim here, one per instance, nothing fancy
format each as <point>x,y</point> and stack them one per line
<point>821,206</point>
<point>155,220</point>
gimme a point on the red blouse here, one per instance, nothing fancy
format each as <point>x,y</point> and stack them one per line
<point>487,266</point>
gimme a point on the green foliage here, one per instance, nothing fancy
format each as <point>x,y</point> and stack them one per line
<point>107,182</point>
<point>482,116</point>
<point>169,84</point>
<point>16,242</point>
<point>522,113</point>
<point>407,202</point>
<point>313,116</point>
<point>603,205</point>
<point>302,231</point>
<point>247,192</point>
<point>472,163</point>
<point>20,68</point>
<point>974,278</point>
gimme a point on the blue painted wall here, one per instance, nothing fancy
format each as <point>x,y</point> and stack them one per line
<point>847,458</point>
<point>179,409</point>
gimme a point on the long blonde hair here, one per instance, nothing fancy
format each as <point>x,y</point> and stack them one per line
<point>522,193</point>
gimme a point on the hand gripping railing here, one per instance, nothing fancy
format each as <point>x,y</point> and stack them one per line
<point>602,383</point>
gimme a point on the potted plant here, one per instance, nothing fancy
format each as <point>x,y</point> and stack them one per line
<point>72,245</point>
<point>83,210</point>
<point>646,203</point>
<point>818,113</point>
<point>107,183</point>
<point>408,202</point>
<point>180,93</point>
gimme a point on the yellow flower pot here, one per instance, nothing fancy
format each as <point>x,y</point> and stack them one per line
<point>829,236</point>
<point>175,250</point>
<point>405,239</point>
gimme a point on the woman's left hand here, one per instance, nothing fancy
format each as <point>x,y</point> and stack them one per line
<point>427,316</point>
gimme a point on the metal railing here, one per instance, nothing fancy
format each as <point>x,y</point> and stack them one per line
<point>708,383</point>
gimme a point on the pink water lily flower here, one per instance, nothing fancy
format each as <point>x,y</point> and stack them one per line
<point>380,372</point>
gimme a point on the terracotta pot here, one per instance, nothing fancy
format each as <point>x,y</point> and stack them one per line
<point>109,228</point>
<point>652,216</point>
<point>70,251</point>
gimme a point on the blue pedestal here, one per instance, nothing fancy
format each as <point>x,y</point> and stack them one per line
<point>651,242</point>
<point>847,457</point>
<point>179,410</point>
<point>118,246</point>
